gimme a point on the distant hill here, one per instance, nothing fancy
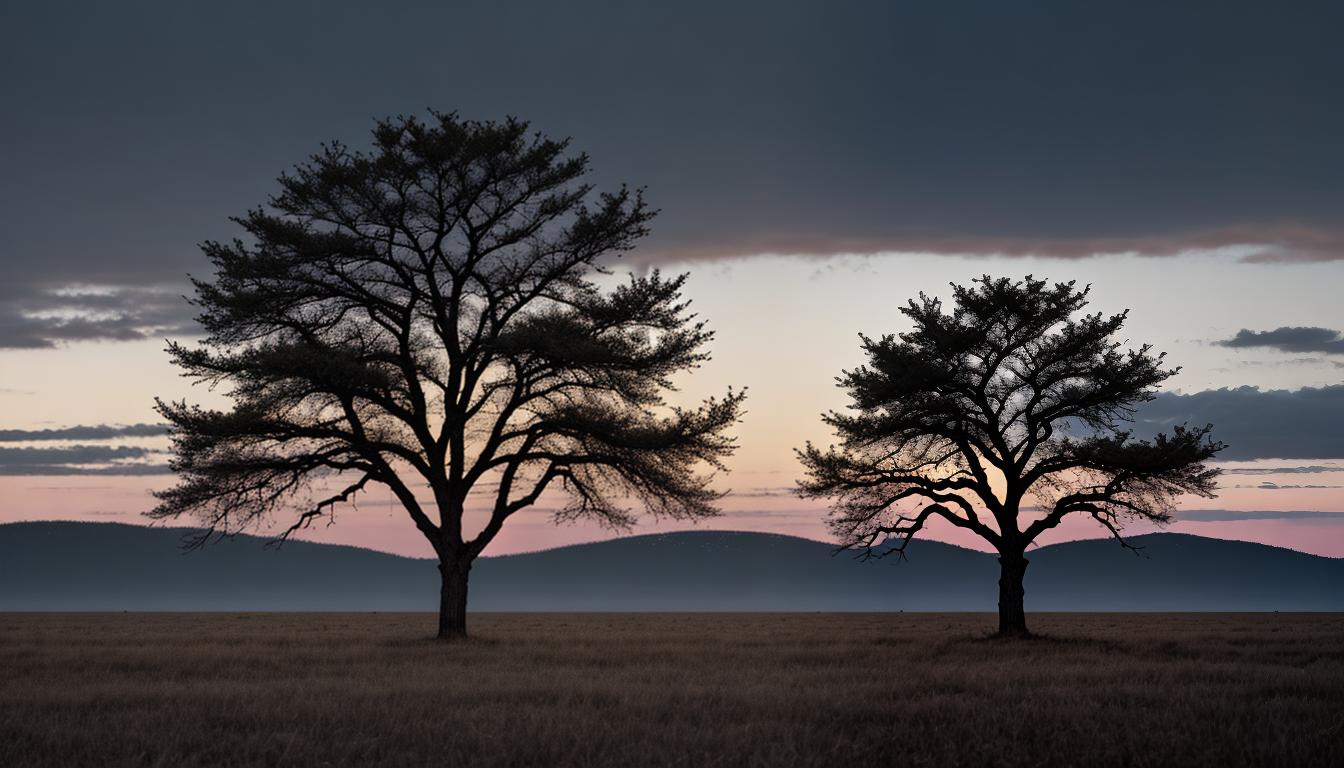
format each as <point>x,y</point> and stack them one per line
<point>63,566</point>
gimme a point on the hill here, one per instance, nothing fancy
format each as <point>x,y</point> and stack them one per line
<point>62,566</point>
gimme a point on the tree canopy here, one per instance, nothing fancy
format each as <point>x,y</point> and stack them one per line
<point>1001,416</point>
<point>431,314</point>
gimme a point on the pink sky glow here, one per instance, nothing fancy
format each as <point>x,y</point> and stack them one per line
<point>786,327</point>
<point>761,502</point>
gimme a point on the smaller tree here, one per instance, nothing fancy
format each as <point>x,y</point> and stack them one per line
<point>1009,398</point>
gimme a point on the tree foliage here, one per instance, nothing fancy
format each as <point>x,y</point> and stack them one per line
<point>1012,396</point>
<point>429,314</point>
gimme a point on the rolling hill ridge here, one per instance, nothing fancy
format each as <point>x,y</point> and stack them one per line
<point>74,566</point>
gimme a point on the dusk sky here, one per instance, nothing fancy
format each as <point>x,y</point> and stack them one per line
<point>815,164</point>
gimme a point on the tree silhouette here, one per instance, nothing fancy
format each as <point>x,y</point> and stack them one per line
<point>426,315</point>
<point>1007,398</point>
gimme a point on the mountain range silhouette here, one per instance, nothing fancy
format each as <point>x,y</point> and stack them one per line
<point>77,566</point>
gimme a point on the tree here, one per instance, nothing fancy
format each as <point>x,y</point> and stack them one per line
<point>426,315</point>
<point>1010,397</point>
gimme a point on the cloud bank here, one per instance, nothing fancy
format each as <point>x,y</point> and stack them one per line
<point>1312,469</point>
<point>784,126</point>
<point>49,318</point>
<point>1305,423</point>
<point>80,460</point>
<point>1290,339</point>
<point>83,432</point>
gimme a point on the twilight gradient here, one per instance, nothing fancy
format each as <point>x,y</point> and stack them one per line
<point>786,326</point>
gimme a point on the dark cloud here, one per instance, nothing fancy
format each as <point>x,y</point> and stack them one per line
<point>66,470</point>
<point>132,131</point>
<point>1312,469</point>
<point>49,318</point>
<point>79,460</point>
<point>1305,423</point>
<point>84,432</point>
<point>76,454</point>
<point>1290,339</point>
<point>1225,515</point>
<point>1264,245</point>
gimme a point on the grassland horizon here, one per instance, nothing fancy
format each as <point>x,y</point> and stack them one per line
<point>671,689</point>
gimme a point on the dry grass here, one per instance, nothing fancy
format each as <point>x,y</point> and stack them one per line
<point>694,690</point>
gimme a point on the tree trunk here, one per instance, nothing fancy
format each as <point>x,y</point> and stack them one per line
<point>453,600</point>
<point>1012,616</point>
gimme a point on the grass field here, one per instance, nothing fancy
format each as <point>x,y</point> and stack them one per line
<point>670,689</point>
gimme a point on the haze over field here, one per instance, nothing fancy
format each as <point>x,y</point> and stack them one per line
<point>814,170</point>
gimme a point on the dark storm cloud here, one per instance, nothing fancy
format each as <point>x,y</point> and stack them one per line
<point>76,454</point>
<point>1290,339</point>
<point>83,432</point>
<point>1312,469</point>
<point>1224,515</point>
<point>79,460</point>
<point>48,318</point>
<point>132,131</point>
<point>1305,423</point>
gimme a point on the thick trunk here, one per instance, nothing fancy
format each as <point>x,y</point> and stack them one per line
<point>453,600</point>
<point>1012,616</point>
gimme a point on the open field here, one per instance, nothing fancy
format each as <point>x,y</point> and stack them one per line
<point>670,689</point>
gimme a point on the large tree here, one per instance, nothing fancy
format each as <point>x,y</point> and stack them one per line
<point>427,316</point>
<point>1002,416</point>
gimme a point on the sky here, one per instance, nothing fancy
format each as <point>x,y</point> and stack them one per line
<point>815,166</point>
